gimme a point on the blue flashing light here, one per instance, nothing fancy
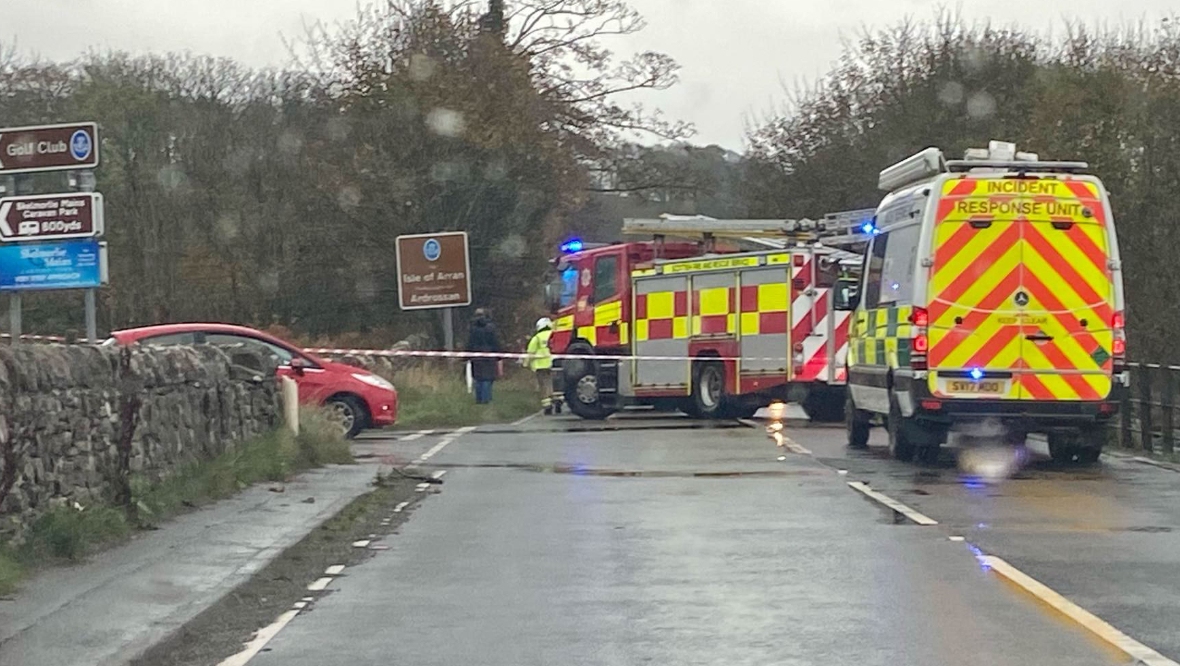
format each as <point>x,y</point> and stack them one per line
<point>572,245</point>
<point>976,374</point>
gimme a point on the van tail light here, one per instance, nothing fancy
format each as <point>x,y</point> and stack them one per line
<point>1118,346</point>
<point>921,343</point>
<point>920,318</point>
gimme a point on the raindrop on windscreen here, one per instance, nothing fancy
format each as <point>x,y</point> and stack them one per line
<point>337,129</point>
<point>228,226</point>
<point>951,94</point>
<point>268,282</point>
<point>171,178</point>
<point>445,122</point>
<point>348,198</point>
<point>422,67</point>
<point>513,246</point>
<point>981,105</point>
<point>290,143</point>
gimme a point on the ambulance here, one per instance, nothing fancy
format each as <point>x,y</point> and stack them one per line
<point>991,302</point>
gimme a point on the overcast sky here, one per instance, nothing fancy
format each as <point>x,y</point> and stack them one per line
<point>735,53</point>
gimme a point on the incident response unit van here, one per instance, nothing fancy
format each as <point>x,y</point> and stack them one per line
<point>991,302</point>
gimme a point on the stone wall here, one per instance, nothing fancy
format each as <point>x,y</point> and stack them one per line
<point>77,421</point>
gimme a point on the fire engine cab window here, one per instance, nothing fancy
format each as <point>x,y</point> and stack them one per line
<point>569,286</point>
<point>897,271</point>
<point>872,297</point>
<point>605,273</point>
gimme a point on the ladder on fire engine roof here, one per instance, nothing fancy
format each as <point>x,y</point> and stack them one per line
<point>842,231</point>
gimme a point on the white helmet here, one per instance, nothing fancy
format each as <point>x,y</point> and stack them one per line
<point>544,323</point>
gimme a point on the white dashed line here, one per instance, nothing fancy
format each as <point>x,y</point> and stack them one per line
<point>464,430</point>
<point>334,570</point>
<point>956,538</point>
<point>892,504</point>
<point>422,487</point>
<point>320,584</point>
<point>363,543</point>
<point>417,435</point>
<point>1092,623</point>
<point>264,636</point>
<point>400,507</point>
<point>435,449</point>
<point>526,419</point>
<point>439,474</point>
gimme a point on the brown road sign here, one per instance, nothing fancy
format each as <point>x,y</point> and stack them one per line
<point>433,270</point>
<point>48,148</point>
<point>51,217</point>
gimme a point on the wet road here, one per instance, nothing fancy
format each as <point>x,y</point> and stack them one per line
<point>1107,537</point>
<point>645,541</point>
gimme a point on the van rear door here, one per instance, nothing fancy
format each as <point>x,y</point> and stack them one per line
<point>1020,294</point>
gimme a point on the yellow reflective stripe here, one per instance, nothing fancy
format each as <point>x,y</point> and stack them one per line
<point>641,330</point>
<point>588,333</point>
<point>773,297</point>
<point>714,301</point>
<point>680,327</point>
<point>564,323</point>
<point>608,313</point>
<point>750,322</point>
<point>661,305</point>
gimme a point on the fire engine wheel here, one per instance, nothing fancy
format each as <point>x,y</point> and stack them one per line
<point>585,400</point>
<point>708,390</point>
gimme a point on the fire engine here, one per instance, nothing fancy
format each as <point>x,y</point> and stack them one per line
<point>698,324</point>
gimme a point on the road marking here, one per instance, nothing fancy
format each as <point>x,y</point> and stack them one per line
<point>320,584</point>
<point>464,430</point>
<point>1156,463</point>
<point>782,458</point>
<point>892,504</point>
<point>363,543</point>
<point>264,636</point>
<point>435,449</point>
<point>439,474</point>
<point>526,419</point>
<point>418,435</point>
<point>1092,623</point>
<point>400,507</point>
<point>956,538</point>
<point>842,472</point>
<point>422,487</point>
<point>795,447</point>
<point>334,570</point>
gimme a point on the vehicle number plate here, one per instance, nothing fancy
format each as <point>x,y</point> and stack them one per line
<point>988,387</point>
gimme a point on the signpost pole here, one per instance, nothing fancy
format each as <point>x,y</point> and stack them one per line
<point>14,317</point>
<point>91,317</point>
<point>449,328</point>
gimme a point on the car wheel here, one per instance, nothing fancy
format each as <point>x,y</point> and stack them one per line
<point>857,424</point>
<point>348,413</point>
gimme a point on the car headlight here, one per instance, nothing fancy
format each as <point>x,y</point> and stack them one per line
<point>373,380</point>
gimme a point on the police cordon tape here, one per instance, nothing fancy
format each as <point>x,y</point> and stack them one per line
<point>518,356</point>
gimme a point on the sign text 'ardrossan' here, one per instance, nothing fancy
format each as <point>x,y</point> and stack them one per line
<point>433,270</point>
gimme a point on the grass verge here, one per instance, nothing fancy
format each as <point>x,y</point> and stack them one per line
<point>67,534</point>
<point>433,396</point>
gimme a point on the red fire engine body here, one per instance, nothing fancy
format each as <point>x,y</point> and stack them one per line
<point>689,326</point>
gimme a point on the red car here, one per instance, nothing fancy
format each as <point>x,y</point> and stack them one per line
<point>357,397</point>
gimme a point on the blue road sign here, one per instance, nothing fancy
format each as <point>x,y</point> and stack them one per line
<point>74,264</point>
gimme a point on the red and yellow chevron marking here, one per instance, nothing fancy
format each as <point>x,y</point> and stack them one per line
<point>763,309</point>
<point>661,315</point>
<point>1045,238</point>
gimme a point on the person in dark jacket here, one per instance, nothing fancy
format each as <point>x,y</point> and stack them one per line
<point>482,338</point>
